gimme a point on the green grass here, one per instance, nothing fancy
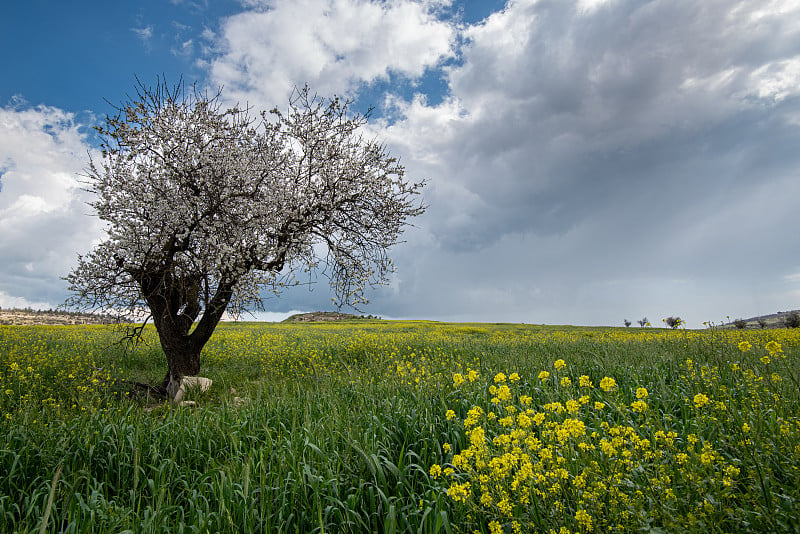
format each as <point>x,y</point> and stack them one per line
<point>342,422</point>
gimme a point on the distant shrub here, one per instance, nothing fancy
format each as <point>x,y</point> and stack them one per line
<point>741,324</point>
<point>792,320</point>
<point>673,322</point>
<point>627,323</point>
<point>643,322</point>
<point>762,322</point>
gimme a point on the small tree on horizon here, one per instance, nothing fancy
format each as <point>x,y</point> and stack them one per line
<point>792,320</point>
<point>207,207</point>
<point>643,322</point>
<point>673,322</point>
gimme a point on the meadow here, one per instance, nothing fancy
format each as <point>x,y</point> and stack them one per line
<point>385,426</point>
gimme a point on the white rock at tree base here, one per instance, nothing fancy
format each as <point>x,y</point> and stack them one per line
<point>192,382</point>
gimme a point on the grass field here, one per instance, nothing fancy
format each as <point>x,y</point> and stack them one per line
<point>405,427</point>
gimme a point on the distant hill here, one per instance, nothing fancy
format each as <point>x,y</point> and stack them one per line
<point>50,317</point>
<point>321,316</point>
<point>774,320</point>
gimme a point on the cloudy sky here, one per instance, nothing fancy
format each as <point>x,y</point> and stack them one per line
<point>587,161</point>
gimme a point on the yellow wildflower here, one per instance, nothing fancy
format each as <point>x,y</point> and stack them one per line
<point>559,364</point>
<point>774,348</point>
<point>700,400</point>
<point>744,346</point>
<point>523,421</point>
<point>573,406</point>
<point>608,384</point>
<point>584,519</point>
<point>573,428</point>
<point>641,393</point>
<point>504,393</point>
<point>459,492</point>
<point>505,507</point>
<point>436,471</point>
<point>477,437</point>
<point>472,416</point>
<point>544,375</point>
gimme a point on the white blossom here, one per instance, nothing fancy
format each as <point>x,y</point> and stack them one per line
<point>207,207</point>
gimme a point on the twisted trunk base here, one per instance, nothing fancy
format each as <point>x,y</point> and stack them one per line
<point>181,361</point>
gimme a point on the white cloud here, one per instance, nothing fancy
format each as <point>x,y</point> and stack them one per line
<point>334,45</point>
<point>553,101</point>
<point>587,7</point>
<point>184,49</point>
<point>793,278</point>
<point>42,205</point>
<point>7,301</point>
<point>144,34</point>
<point>777,80</point>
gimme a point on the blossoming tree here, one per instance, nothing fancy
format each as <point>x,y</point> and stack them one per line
<point>207,207</point>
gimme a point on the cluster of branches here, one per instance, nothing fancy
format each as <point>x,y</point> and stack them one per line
<point>207,207</point>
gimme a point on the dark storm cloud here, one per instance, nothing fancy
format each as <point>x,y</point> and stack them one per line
<point>566,112</point>
<point>652,142</point>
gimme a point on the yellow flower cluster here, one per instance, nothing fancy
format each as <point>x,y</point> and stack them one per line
<point>529,465</point>
<point>48,366</point>
<point>608,384</point>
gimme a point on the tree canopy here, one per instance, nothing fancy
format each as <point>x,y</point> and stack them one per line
<point>206,207</point>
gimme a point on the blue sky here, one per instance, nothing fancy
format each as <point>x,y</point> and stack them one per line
<point>587,160</point>
<point>75,55</point>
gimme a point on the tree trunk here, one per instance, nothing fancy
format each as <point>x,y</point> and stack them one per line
<point>174,307</point>
<point>183,359</point>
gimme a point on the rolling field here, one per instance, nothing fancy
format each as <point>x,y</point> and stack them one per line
<point>389,426</point>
